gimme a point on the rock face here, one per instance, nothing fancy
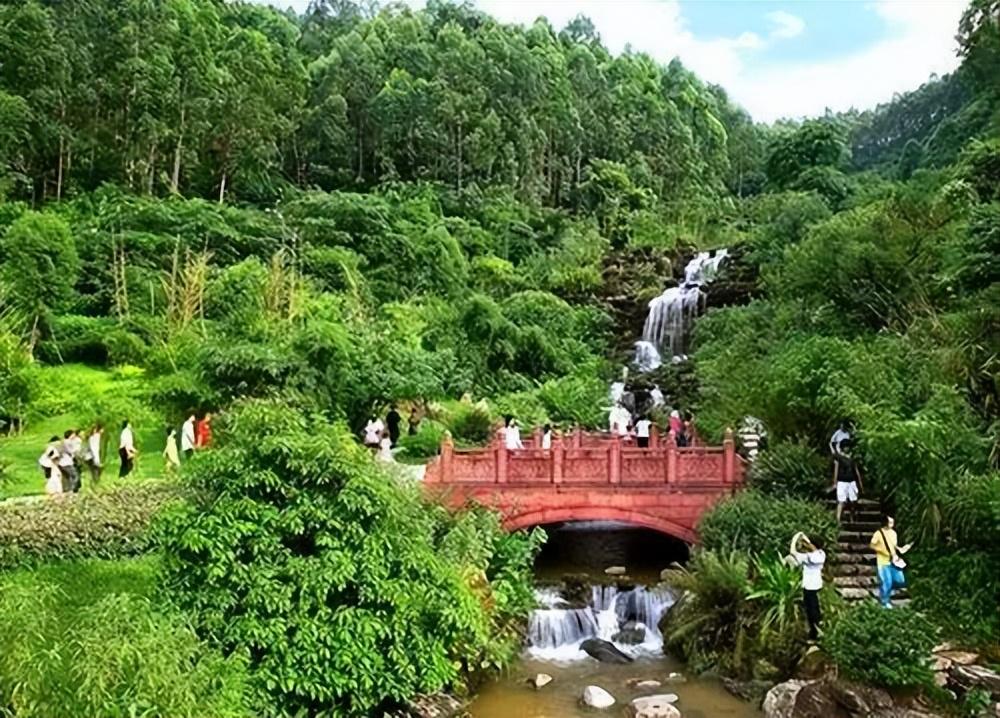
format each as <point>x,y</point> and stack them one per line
<point>597,697</point>
<point>969,677</point>
<point>632,633</point>
<point>833,699</point>
<point>604,651</point>
<point>654,707</point>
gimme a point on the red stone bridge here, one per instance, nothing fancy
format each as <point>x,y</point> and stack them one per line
<point>589,477</point>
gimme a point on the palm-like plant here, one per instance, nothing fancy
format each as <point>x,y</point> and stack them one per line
<point>776,589</point>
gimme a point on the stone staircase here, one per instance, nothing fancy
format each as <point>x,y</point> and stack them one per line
<point>852,565</point>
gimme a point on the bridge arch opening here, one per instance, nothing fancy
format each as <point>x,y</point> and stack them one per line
<point>587,548</point>
<point>638,519</point>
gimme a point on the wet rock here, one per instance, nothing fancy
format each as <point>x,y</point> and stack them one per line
<point>834,699</point>
<point>604,651</point>
<point>749,691</point>
<point>959,658</point>
<point>968,677</point>
<point>615,570</point>
<point>540,681</point>
<point>814,664</point>
<point>576,589</point>
<point>597,697</point>
<point>940,663</point>
<point>675,678</point>
<point>632,634</point>
<point>790,700</point>
<point>436,705</point>
<point>660,706</point>
<point>642,683</point>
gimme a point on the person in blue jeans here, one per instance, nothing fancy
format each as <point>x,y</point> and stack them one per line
<point>889,559</point>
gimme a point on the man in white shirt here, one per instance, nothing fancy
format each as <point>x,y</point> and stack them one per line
<point>656,396</point>
<point>187,436</point>
<point>94,453</point>
<point>373,432</point>
<point>811,557</point>
<point>67,461</point>
<point>841,435</point>
<point>126,450</point>
<point>642,428</point>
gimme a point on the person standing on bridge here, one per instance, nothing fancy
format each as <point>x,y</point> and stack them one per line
<point>642,428</point>
<point>811,557</point>
<point>512,434</point>
<point>547,436</point>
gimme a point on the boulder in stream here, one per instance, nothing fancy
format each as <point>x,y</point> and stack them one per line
<point>604,651</point>
<point>660,706</point>
<point>615,570</point>
<point>597,697</point>
<point>631,633</point>
<point>540,681</point>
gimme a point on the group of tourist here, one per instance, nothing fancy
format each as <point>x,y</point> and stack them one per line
<point>383,436</point>
<point>63,458</point>
<point>809,554</point>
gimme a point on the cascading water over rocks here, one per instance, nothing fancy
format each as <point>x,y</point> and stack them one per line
<point>668,325</point>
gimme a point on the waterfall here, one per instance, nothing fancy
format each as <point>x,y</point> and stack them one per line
<point>555,631</point>
<point>671,314</point>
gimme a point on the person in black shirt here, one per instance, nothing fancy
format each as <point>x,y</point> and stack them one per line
<point>392,421</point>
<point>846,479</point>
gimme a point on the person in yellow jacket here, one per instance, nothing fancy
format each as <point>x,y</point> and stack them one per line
<point>889,559</point>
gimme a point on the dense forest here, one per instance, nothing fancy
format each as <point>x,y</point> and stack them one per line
<point>296,220</point>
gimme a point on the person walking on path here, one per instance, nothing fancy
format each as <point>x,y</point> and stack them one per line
<point>188,436</point>
<point>414,422</point>
<point>841,435</point>
<point>385,449</point>
<point>49,463</point>
<point>392,422</point>
<point>93,453</point>
<point>889,559</point>
<point>203,432</point>
<point>373,432</point>
<point>811,557</point>
<point>68,451</point>
<point>126,450</point>
<point>642,428</point>
<point>846,479</point>
<point>171,457</point>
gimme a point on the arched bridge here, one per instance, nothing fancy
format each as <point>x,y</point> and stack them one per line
<point>589,477</point>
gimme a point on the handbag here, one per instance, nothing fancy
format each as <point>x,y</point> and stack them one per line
<point>896,560</point>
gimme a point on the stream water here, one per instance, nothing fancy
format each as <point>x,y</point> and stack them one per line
<point>577,602</point>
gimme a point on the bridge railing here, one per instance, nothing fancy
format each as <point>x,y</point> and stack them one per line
<point>588,459</point>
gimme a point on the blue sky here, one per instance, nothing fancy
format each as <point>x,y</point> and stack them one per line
<point>777,59</point>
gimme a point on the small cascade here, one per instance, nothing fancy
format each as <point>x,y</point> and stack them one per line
<point>668,324</point>
<point>555,630</point>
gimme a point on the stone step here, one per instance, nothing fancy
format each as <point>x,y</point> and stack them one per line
<point>857,581</point>
<point>853,593</point>
<point>870,504</point>
<point>860,524</point>
<point>856,536</point>
<point>852,557</point>
<point>853,546</point>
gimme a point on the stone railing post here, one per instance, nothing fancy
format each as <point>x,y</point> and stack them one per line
<point>501,458</point>
<point>671,462</point>
<point>447,459</point>
<point>557,456</point>
<point>654,437</point>
<point>728,458</point>
<point>577,440</point>
<point>537,436</point>
<point>615,460</point>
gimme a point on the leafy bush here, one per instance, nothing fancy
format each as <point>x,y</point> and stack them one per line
<point>791,469</point>
<point>751,521</point>
<point>425,443</point>
<point>105,524</point>
<point>84,639</point>
<point>40,263</point>
<point>956,587</point>
<point>342,586</point>
<point>471,423</point>
<point>882,647</point>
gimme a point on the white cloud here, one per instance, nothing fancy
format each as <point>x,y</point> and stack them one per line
<point>786,24</point>
<point>919,41</point>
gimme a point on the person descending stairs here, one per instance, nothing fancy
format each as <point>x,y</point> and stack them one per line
<point>852,565</point>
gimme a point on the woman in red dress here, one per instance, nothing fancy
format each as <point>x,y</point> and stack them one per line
<point>203,432</point>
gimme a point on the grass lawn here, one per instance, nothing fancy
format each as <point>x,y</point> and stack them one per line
<point>76,395</point>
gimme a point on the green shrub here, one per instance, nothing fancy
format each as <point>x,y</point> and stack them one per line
<point>471,424</point>
<point>345,589</point>
<point>957,588</point>
<point>791,469</point>
<point>751,521</point>
<point>425,443</point>
<point>882,647</point>
<point>85,640</point>
<point>105,524</point>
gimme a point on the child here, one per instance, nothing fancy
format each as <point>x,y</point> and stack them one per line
<point>170,454</point>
